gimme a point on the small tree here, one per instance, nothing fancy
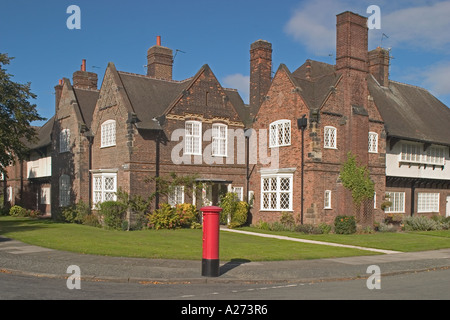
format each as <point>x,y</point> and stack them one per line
<point>16,115</point>
<point>356,178</point>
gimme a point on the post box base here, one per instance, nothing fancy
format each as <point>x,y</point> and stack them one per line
<point>210,267</point>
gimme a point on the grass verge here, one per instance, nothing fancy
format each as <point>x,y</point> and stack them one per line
<point>186,244</point>
<point>160,244</point>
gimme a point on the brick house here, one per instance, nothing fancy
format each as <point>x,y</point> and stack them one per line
<point>350,107</point>
<point>71,139</point>
<point>28,181</point>
<point>151,125</point>
<point>417,148</point>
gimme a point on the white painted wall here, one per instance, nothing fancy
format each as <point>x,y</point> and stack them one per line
<point>396,168</point>
<point>41,167</point>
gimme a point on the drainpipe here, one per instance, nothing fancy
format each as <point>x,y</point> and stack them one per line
<point>302,124</point>
<point>158,150</point>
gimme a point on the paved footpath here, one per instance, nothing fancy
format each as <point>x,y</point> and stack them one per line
<point>20,258</point>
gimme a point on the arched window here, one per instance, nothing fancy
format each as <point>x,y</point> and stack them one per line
<point>108,133</point>
<point>280,133</point>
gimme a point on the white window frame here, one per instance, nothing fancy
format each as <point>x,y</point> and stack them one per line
<point>9,194</point>
<point>219,139</point>
<point>428,202</point>
<point>64,140</point>
<point>193,138</point>
<point>108,134</point>
<point>413,153</point>
<point>330,137</point>
<point>398,202</point>
<point>373,142</point>
<point>239,192</point>
<point>100,193</point>
<point>176,196</point>
<point>64,190</point>
<point>327,199</point>
<point>272,195</point>
<point>280,133</point>
<point>45,195</point>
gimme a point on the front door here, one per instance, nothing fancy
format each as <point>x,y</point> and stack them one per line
<point>447,208</point>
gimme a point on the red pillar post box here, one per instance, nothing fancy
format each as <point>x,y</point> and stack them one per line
<point>210,258</point>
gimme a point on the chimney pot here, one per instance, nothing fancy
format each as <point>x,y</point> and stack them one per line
<point>160,61</point>
<point>83,65</point>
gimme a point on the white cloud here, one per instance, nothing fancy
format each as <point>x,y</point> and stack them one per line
<point>435,78</point>
<point>314,25</point>
<point>420,24</point>
<point>426,27</point>
<point>240,82</point>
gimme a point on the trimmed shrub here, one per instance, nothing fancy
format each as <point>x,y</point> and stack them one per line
<point>187,215</point>
<point>345,225</point>
<point>239,217</point>
<point>113,213</point>
<point>420,223</point>
<point>308,228</point>
<point>234,212</point>
<point>17,211</point>
<point>167,217</point>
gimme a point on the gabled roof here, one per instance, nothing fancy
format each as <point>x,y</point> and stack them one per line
<point>149,96</point>
<point>43,135</point>
<point>411,112</point>
<point>152,98</point>
<point>316,81</point>
<point>87,99</point>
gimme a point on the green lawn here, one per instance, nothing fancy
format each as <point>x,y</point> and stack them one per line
<point>397,241</point>
<point>187,243</point>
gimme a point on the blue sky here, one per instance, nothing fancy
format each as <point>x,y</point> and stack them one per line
<point>217,33</point>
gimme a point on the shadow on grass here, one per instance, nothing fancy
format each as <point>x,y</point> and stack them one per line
<point>233,263</point>
<point>13,225</point>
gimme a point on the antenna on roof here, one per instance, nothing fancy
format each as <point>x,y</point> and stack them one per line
<point>382,36</point>
<point>176,52</point>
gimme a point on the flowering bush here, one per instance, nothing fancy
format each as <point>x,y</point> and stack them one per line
<point>344,225</point>
<point>168,217</point>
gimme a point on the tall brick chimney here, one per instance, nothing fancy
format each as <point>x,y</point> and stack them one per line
<point>83,79</point>
<point>260,72</point>
<point>160,61</point>
<point>352,56</point>
<point>58,92</point>
<point>351,42</point>
<point>379,65</point>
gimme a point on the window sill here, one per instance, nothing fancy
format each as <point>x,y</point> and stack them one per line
<point>282,145</point>
<point>277,210</point>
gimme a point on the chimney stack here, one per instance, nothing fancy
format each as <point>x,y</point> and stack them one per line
<point>260,72</point>
<point>160,61</point>
<point>58,92</point>
<point>379,65</point>
<point>83,79</point>
<point>351,42</point>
